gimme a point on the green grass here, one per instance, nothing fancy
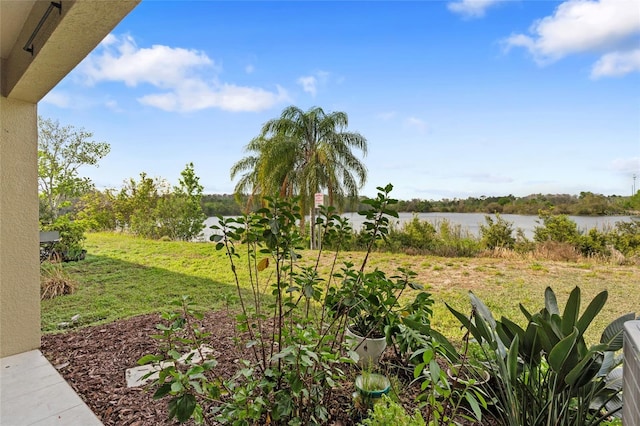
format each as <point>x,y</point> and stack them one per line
<point>124,276</point>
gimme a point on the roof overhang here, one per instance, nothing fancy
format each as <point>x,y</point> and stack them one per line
<point>61,37</point>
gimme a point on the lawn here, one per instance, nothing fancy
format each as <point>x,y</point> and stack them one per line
<point>125,276</point>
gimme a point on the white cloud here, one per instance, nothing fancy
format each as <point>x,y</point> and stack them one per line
<point>471,8</point>
<point>311,83</point>
<point>616,64</point>
<point>188,78</point>
<point>59,99</point>
<point>603,26</point>
<point>193,96</point>
<point>626,165</point>
<point>417,123</point>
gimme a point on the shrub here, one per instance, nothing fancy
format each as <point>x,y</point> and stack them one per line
<point>388,412</point>
<point>546,370</point>
<point>72,236</point>
<point>498,233</point>
<point>625,237</point>
<point>594,243</point>
<point>558,228</point>
<point>54,281</point>
<point>416,234</point>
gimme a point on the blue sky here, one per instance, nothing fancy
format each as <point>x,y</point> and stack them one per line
<point>456,99</point>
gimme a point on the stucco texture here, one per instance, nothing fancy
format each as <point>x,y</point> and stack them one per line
<point>19,261</point>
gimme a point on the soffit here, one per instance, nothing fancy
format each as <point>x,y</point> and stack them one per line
<point>13,15</point>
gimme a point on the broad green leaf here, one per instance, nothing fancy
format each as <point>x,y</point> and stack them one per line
<point>182,407</point>
<point>561,351</point>
<point>473,403</point>
<point>592,310</point>
<point>148,359</point>
<point>482,310</point>
<point>162,390</point>
<point>512,360</point>
<point>571,310</point>
<point>583,367</point>
<point>550,301</point>
<point>613,334</point>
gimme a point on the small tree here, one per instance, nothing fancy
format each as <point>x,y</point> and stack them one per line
<point>498,233</point>
<point>62,150</point>
<point>189,194</point>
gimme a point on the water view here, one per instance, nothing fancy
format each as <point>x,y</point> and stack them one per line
<point>471,221</point>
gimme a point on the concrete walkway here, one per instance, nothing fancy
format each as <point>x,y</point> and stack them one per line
<point>32,392</point>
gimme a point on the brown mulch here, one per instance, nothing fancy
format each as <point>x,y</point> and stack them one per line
<point>93,360</point>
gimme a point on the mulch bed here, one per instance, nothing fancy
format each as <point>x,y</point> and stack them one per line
<point>93,360</point>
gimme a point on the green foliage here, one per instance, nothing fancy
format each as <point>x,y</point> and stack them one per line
<point>370,301</point>
<point>302,153</point>
<point>498,233</point>
<point>388,412</point>
<point>556,227</point>
<point>149,208</point>
<point>626,237</point>
<point>417,234</point>
<point>445,398</point>
<point>594,242</point>
<point>185,367</point>
<point>61,152</point>
<point>97,210</point>
<point>72,236</point>
<point>586,203</point>
<point>546,370</point>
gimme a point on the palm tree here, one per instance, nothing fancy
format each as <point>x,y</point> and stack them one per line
<point>301,153</point>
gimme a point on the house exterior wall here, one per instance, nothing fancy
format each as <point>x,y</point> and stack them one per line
<point>19,242</point>
<point>64,40</point>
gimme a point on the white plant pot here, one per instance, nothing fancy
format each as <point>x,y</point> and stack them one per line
<point>368,349</point>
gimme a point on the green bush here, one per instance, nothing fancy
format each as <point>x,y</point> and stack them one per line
<point>72,236</point>
<point>626,237</point>
<point>416,234</point>
<point>558,228</point>
<point>387,412</point>
<point>498,233</point>
<point>593,243</point>
<point>546,370</point>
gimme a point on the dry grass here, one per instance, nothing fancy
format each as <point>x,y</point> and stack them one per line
<point>54,281</point>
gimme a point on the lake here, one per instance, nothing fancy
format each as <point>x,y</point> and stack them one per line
<point>471,221</point>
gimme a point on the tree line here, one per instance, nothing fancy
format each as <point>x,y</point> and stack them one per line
<point>584,204</point>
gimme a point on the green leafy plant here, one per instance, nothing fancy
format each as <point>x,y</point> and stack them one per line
<point>389,412</point>
<point>448,398</point>
<point>185,369</point>
<point>70,245</point>
<point>556,227</point>
<point>497,233</point>
<point>546,372</point>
